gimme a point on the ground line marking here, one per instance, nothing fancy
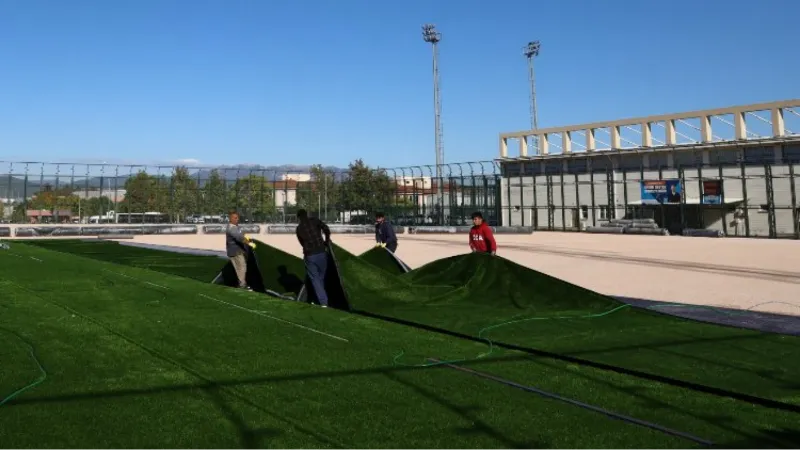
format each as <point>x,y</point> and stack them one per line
<point>590,407</point>
<point>252,311</point>
<point>135,279</point>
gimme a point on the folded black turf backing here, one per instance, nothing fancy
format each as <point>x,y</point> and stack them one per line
<point>254,278</point>
<point>334,287</point>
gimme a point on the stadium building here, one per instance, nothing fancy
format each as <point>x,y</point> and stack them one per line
<point>729,169</point>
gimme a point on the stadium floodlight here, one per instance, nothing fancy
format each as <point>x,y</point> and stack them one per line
<point>431,36</point>
<point>530,51</point>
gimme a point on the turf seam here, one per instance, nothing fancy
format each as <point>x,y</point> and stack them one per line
<point>262,314</point>
<point>765,402</point>
<point>578,403</point>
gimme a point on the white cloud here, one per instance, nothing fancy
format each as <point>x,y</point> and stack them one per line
<point>187,161</point>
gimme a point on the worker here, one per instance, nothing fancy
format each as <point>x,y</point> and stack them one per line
<point>236,244</point>
<point>481,239</point>
<point>384,233</point>
<point>310,232</point>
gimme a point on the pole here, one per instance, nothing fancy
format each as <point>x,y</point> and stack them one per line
<point>532,76</point>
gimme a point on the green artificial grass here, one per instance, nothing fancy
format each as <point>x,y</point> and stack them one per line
<point>497,299</point>
<point>197,267</point>
<point>136,358</point>
<point>380,257</point>
<point>139,359</point>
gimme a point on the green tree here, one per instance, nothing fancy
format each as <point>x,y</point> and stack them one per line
<point>183,194</point>
<point>142,193</point>
<point>321,194</point>
<point>253,196</point>
<point>214,198</point>
<point>96,206</point>
<point>366,189</point>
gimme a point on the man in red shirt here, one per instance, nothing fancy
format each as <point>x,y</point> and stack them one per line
<point>481,238</point>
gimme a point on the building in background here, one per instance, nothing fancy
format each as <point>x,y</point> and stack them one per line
<point>729,169</point>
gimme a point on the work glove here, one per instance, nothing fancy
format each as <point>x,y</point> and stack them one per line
<point>252,244</point>
<point>377,244</point>
<point>494,253</point>
<point>383,245</point>
<point>247,237</point>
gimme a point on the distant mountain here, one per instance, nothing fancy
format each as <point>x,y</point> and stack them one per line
<point>12,186</point>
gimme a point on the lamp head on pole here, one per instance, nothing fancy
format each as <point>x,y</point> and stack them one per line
<point>429,33</point>
<point>532,49</point>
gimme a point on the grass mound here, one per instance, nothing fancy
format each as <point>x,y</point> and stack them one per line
<point>383,259</point>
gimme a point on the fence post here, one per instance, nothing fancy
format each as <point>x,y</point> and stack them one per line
<point>744,194</point>
<point>793,189</point>
<point>773,231</point>
<point>722,206</point>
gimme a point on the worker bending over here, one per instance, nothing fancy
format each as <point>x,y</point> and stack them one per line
<point>384,233</point>
<point>481,239</point>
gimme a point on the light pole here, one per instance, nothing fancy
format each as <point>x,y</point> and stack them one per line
<point>433,37</point>
<point>532,50</point>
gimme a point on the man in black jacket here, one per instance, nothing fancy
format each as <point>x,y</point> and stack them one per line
<point>384,233</point>
<point>310,231</point>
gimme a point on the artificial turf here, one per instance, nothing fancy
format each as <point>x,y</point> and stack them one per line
<point>497,299</point>
<point>202,343</point>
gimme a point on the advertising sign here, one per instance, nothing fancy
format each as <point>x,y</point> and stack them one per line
<point>658,192</point>
<point>712,192</point>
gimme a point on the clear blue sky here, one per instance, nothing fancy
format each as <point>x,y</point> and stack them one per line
<point>303,81</point>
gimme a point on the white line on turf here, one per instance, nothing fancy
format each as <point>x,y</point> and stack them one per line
<point>135,279</point>
<point>35,259</point>
<point>252,311</point>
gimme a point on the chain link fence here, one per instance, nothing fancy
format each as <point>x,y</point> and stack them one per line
<point>51,193</point>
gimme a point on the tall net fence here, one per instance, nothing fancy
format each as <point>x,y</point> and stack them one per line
<point>57,193</point>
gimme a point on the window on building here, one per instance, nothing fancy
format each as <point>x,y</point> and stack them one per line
<point>759,155</point>
<point>584,212</point>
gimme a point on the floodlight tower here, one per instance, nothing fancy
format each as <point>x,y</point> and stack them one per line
<point>532,50</point>
<point>430,35</point>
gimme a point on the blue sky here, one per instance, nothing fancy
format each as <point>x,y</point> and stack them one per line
<point>302,82</point>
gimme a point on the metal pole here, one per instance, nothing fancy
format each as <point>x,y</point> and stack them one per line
<point>531,51</point>
<point>430,35</point>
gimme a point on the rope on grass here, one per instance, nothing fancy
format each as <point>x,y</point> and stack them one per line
<point>39,380</point>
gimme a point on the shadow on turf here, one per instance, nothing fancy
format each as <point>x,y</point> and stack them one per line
<point>783,435</point>
<point>465,412</point>
<point>769,403</point>
<point>208,384</point>
<point>715,418</point>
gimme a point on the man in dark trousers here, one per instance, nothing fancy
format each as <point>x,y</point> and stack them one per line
<point>384,233</point>
<point>236,248</point>
<point>310,233</point>
<point>481,238</point>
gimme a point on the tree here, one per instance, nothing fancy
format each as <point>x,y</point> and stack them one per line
<point>253,196</point>
<point>214,194</point>
<point>97,206</point>
<point>142,193</point>
<point>183,193</point>
<point>320,194</point>
<point>366,189</point>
